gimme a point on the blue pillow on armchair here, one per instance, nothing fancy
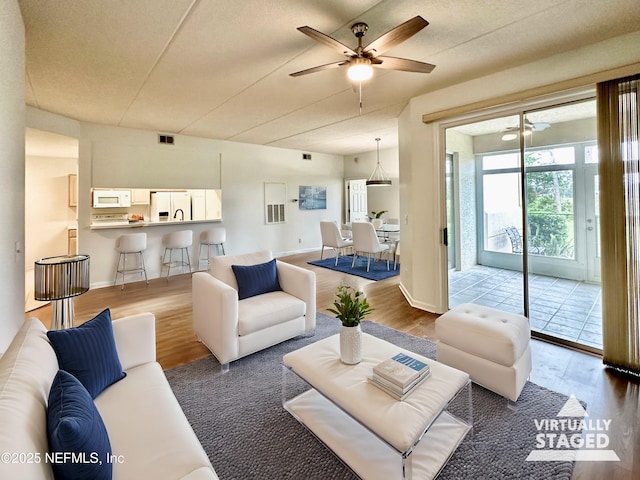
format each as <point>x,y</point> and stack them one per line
<point>74,426</point>
<point>88,352</point>
<point>256,279</point>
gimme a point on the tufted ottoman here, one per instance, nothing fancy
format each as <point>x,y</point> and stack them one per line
<point>491,345</point>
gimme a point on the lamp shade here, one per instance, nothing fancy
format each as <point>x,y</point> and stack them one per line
<point>378,176</point>
<point>360,70</point>
<point>61,277</point>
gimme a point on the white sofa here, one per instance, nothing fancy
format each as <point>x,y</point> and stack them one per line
<point>233,328</point>
<point>145,424</point>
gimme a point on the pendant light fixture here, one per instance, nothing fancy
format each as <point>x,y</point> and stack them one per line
<point>378,177</point>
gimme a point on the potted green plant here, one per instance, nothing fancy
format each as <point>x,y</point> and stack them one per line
<point>350,307</point>
<point>376,218</point>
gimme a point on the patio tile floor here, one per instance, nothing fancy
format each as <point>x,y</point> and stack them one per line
<point>563,308</point>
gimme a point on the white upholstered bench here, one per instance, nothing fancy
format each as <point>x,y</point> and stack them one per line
<point>491,345</point>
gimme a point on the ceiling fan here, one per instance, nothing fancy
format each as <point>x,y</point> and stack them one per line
<point>511,133</point>
<point>361,59</point>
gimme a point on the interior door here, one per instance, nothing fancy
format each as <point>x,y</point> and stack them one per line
<point>357,207</point>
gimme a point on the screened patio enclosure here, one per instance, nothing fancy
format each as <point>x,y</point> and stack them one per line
<point>522,199</point>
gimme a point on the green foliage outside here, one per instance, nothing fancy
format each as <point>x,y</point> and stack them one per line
<point>550,211</point>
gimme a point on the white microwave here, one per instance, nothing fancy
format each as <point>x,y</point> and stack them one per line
<point>111,198</point>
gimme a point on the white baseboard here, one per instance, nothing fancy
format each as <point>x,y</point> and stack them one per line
<point>295,252</point>
<point>417,304</point>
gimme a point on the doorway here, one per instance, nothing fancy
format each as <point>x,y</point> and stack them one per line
<point>51,167</point>
<point>536,221</point>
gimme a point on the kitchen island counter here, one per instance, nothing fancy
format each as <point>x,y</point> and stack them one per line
<point>138,224</point>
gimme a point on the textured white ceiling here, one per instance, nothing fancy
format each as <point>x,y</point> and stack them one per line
<point>220,68</point>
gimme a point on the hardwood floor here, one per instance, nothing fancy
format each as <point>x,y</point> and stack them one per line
<point>608,394</point>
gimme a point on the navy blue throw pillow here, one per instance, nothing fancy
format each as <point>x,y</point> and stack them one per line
<point>256,279</point>
<point>88,352</point>
<point>78,439</point>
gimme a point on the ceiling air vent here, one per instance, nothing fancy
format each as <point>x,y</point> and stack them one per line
<point>165,139</point>
<point>306,156</point>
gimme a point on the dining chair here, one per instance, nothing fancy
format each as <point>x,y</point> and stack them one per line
<point>365,241</point>
<point>332,238</point>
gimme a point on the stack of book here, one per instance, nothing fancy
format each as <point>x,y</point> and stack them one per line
<point>400,375</point>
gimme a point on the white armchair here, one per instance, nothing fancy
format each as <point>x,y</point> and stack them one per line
<point>233,328</point>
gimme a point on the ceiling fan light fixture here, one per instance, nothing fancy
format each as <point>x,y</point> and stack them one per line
<point>512,133</point>
<point>360,70</point>
<point>378,177</point>
<point>509,136</point>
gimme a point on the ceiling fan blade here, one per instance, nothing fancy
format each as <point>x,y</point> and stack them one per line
<point>327,40</point>
<point>403,64</point>
<point>535,126</point>
<point>396,36</point>
<point>539,126</point>
<point>319,68</point>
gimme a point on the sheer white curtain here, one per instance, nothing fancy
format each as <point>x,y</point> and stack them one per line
<point>619,170</point>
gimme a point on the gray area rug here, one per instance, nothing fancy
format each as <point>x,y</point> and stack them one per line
<point>247,434</point>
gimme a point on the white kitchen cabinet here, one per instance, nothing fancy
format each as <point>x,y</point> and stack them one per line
<point>206,204</point>
<point>72,241</point>
<point>140,196</point>
<point>72,185</point>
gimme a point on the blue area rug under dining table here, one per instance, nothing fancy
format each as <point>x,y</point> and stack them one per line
<point>377,270</point>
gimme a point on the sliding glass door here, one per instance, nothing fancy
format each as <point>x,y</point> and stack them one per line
<point>536,223</point>
<point>488,203</point>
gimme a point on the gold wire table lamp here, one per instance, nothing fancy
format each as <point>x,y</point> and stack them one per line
<point>59,279</point>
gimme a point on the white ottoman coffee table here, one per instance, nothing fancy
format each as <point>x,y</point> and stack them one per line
<point>492,346</point>
<point>378,437</point>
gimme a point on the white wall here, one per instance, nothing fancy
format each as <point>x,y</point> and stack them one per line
<point>245,169</point>
<point>12,67</point>
<point>47,210</point>
<point>361,165</point>
<point>129,158</point>
<point>422,153</point>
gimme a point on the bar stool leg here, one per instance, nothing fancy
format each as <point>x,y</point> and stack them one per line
<point>144,269</point>
<point>164,260</point>
<point>115,278</point>
<point>188,259</point>
<point>124,269</point>
<point>200,254</point>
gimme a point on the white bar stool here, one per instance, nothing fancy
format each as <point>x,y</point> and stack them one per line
<point>180,240</point>
<point>128,244</point>
<point>212,237</point>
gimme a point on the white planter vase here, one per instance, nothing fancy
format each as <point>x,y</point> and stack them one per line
<point>377,222</point>
<point>350,345</point>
